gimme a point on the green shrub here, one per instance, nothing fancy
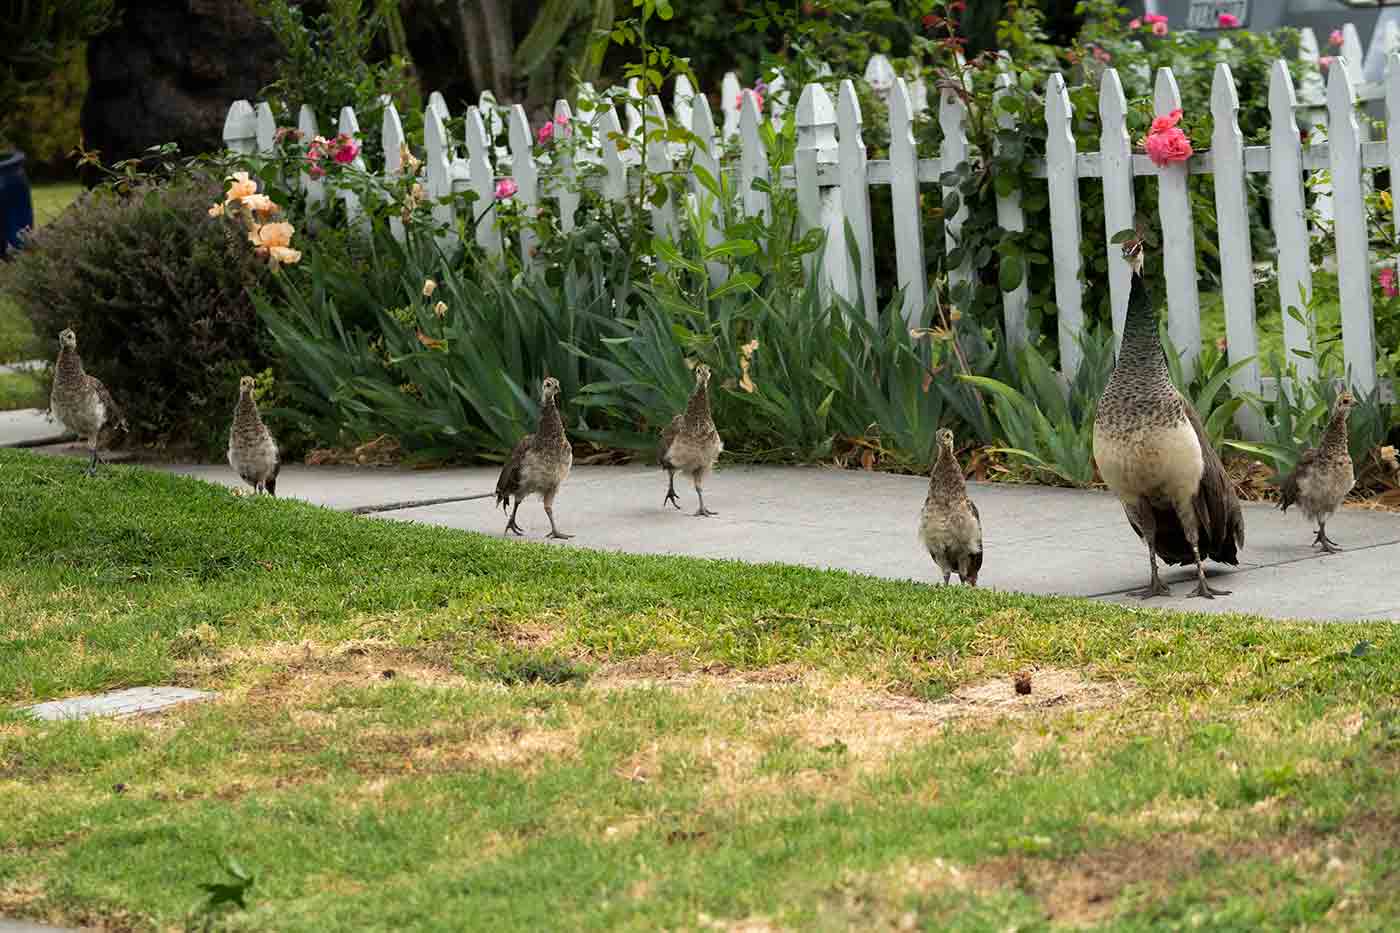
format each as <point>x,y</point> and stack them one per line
<point>158,293</point>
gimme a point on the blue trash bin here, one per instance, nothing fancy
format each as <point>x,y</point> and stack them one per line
<point>16,206</point>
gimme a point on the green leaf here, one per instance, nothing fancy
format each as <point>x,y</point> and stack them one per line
<point>731,248</point>
<point>744,280</point>
<point>1012,272</point>
<point>668,253</point>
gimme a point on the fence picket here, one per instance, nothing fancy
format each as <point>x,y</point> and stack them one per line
<point>1353,249</point>
<point>683,102</point>
<point>1010,217</point>
<point>1119,202</point>
<point>438,174</point>
<point>1352,54</point>
<point>952,114</point>
<point>1236,256</point>
<point>266,128</point>
<point>613,141</point>
<point>482,178</point>
<point>777,99</point>
<point>527,181</point>
<point>1286,210</point>
<point>729,103</point>
<point>1392,119</point>
<point>315,188</point>
<point>706,156</point>
<point>1178,240</point>
<point>241,128</point>
<point>391,133</point>
<point>438,105</point>
<point>855,199</point>
<point>632,114</point>
<point>879,74</point>
<point>658,156</point>
<point>566,192</point>
<point>816,147</point>
<point>1063,180</point>
<point>354,211</point>
<point>904,201</point>
<point>753,158</point>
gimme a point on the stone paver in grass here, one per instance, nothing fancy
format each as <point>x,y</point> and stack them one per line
<point>127,702</point>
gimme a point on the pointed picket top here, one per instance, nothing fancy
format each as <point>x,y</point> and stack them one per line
<point>729,103</point>
<point>777,99</point>
<point>1062,179</point>
<point>1287,217</point>
<point>1353,53</point>
<point>1353,248</point>
<point>266,127</point>
<point>880,75</point>
<point>918,95</point>
<point>703,126</point>
<point>855,199</point>
<point>481,177</point>
<point>1384,41</point>
<point>315,188</point>
<point>683,101</point>
<point>241,128</point>
<point>1119,203</point>
<point>527,181</point>
<point>391,132</point>
<point>438,105</point>
<point>753,157</point>
<point>1392,118</point>
<point>1312,90</point>
<point>1012,218</point>
<point>612,138</point>
<point>1236,255</point>
<point>904,191</point>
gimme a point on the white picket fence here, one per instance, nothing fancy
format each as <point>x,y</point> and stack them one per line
<point>833,177</point>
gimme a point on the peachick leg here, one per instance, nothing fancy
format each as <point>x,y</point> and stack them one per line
<point>700,492</point>
<point>554,531</point>
<point>1328,545</point>
<point>671,497</point>
<point>511,526</point>
<point>1147,522</point>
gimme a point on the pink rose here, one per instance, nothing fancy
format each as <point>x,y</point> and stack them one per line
<point>316,171</point>
<point>1153,19</point>
<point>347,152</point>
<point>1336,38</point>
<point>1102,55</point>
<point>1159,29</point>
<point>1325,62</point>
<point>1162,124</point>
<point>1168,147</point>
<point>1386,278</point>
<point>1229,21</point>
<point>544,134</point>
<point>1135,23</point>
<point>505,188</point>
<point>757,99</point>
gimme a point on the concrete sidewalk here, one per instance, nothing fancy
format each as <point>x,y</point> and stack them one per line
<point>1038,539</point>
<point>29,427</point>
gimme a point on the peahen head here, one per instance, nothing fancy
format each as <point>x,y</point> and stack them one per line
<point>246,386</point>
<point>945,439</point>
<point>1344,404</point>
<point>67,339</point>
<point>702,374</point>
<point>550,390</point>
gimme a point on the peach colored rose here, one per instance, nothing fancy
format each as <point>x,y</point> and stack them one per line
<point>242,186</point>
<point>283,255</point>
<point>260,204</point>
<point>270,235</point>
<point>216,211</point>
<point>1159,29</point>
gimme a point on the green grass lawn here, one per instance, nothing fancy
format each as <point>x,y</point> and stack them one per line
<point>419,728</point>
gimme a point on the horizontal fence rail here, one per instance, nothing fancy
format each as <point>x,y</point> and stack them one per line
<point>832,176</point>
